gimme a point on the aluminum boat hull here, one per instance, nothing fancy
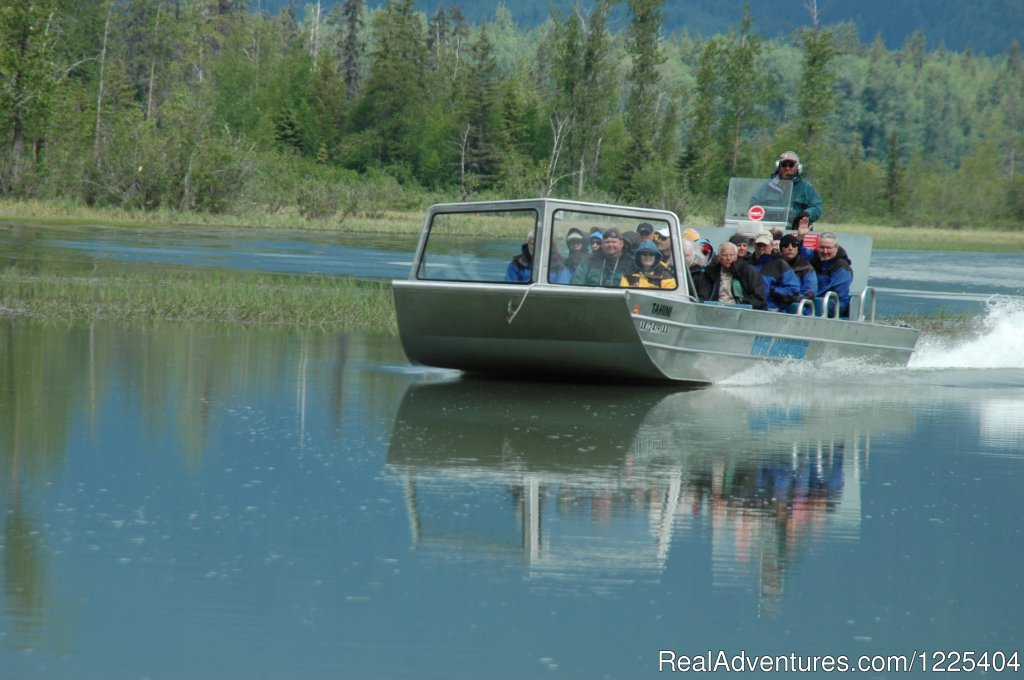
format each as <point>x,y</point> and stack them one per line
<point>624,334</point>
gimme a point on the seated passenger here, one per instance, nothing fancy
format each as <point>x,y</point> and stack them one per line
<point>781,285</point>
<point>743,243</point>
<point>649,270</point>
<point>663,239</point>
<point>790,247</point>
<point>695,260</point>
<point>520,269</point>
<point>704,246</point>
<point>835,273</point>
<point>576,242</point>
<point>731,281</point>
<point>595,240</point>
<point>630,240</point>
<point>605,267</point>
<point>645,231</point>
<point>558,265</point>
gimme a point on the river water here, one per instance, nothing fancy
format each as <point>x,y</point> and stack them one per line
<point>201,501</point>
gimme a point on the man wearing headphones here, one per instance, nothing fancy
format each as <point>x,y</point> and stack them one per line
<point>805,199</point>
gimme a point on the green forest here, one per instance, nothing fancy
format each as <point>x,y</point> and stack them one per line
<point>206,106</point>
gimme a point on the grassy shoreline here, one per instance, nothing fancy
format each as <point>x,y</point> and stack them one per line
<point>182,295</point>
<point>399,222</point>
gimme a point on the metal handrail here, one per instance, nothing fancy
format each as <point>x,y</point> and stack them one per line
<point>806,302</point>
<point>824,304</point>
<point>863,298</point>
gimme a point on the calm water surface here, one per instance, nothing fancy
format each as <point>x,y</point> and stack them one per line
<point>232,502</point>
<point>224,502</point>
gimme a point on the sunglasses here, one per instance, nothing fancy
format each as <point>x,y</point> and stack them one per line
<point>788,164</point>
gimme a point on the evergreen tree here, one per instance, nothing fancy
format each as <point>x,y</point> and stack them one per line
<point>642,106</point>
<point>728,109</point>
<point>479,120</point>
<point>329,108</point>
<point>700,162</point>
<point>352,46</point>
<point>743,92</point>
<point>388,114</point>
<point>894,180</point>
<point>887,90</point>
<point>815,97</point>
<point>1011,102</point>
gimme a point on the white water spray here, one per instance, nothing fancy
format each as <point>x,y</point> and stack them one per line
<point>998,341</point>
<point>995,340</point>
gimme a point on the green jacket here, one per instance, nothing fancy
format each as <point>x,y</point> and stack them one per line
<point>596,270</point>
<point>805,197</point>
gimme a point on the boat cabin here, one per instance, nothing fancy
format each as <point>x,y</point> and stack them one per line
<point>476,242</point>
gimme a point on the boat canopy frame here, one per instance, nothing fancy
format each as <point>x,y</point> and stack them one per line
<point>475,242</point>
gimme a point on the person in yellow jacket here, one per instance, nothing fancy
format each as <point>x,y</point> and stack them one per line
<point>649,270</point>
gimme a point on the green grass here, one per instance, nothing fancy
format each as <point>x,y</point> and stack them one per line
<point>927,238</point>
<point>58,213</point>
<point>240,297</point>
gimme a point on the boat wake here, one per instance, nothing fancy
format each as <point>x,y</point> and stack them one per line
<point>989,353</point>
<point>995,341</point>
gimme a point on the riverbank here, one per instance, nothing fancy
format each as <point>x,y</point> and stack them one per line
<point>400,222</point>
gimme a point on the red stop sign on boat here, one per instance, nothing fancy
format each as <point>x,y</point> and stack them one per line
<point>756,213</point>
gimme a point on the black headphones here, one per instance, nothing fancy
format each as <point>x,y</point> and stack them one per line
<point>799,165</point>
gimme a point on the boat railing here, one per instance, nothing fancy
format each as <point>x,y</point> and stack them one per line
<point>801,309</point>
<point>830,295</point>
<point>867,294</point>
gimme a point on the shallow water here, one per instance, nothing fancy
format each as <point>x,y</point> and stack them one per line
<point>197,501</point>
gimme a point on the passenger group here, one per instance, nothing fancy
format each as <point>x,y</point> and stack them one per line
<point>769,271</point>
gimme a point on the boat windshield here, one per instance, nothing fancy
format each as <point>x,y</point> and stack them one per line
<point>592,225</point>
<point>478,246</point>
<point>758,204</point>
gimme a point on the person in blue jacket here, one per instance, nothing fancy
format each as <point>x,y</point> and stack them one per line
<point>834,274</point>
<point>520,269</point>
<point>791,251</point>
<point>781,285</point>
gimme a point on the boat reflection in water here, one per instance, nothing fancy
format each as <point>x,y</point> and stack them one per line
<point>595,483</point>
